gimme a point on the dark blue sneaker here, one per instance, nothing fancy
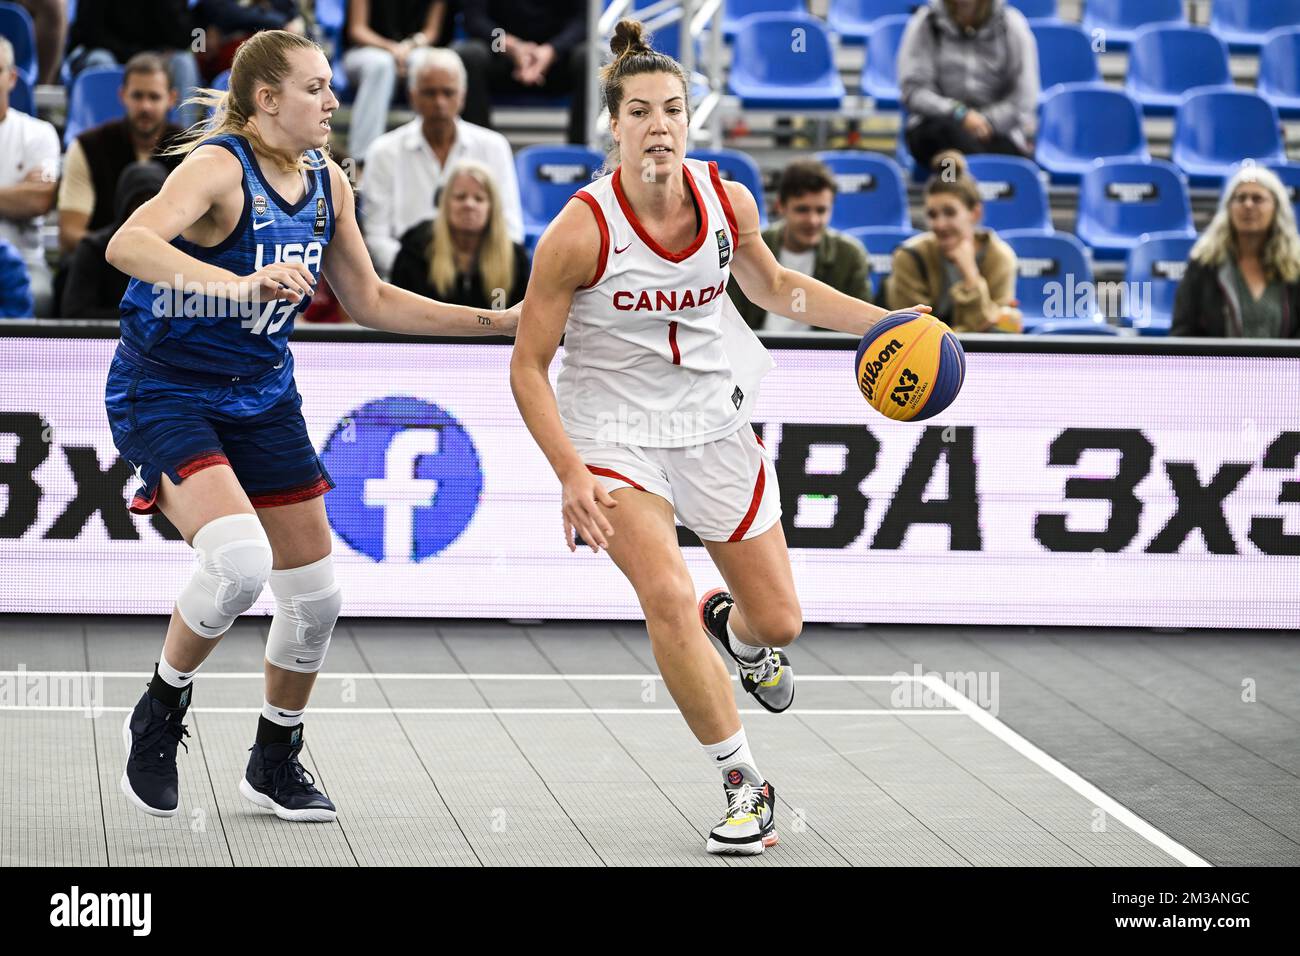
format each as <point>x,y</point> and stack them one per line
<point>151,733</point>
<point>276,781</point>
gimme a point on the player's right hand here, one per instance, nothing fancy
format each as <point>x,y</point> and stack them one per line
<point>281,280</point>
<point>583,495</point>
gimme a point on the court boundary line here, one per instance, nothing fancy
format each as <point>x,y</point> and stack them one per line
<point>1089,791</point>
<point>960,705</point>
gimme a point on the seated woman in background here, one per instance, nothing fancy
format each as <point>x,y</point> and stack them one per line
<point>968,273</point>
<point>1243,279</point>
<point>464,255</point>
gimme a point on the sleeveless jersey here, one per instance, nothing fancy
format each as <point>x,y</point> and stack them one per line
<point>187,330</point>
<point>655,353</point>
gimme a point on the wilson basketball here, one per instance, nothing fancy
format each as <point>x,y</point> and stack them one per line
<point>910,366</point>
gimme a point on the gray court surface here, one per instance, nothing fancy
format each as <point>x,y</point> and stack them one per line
<point>487,743</point>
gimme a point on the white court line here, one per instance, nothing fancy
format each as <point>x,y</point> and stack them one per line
<point>960,705</point>
<point>366,675</point>
<point>828,712</point>
<point>1063,773</point>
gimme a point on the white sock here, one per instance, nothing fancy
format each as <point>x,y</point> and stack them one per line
<point>283,716</point>
<point>746,652</point>
<point>731,752</point>
<point>172,676</point>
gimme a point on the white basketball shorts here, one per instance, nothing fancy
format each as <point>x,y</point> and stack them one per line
<point>723,490</point>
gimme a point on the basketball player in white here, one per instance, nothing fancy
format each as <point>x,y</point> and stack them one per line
<point>652,416</point>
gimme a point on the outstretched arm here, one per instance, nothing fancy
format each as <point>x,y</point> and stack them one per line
<point>774,288</point>
<point>378,305</point>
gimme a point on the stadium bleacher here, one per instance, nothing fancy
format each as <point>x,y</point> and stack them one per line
<point>1184,89</point>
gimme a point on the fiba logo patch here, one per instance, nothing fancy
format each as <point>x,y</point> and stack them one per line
<point>407,479</point>
<point>259,205</point>
<point>724,248</point>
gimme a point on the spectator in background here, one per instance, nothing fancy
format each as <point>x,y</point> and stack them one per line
<point>464,254</point>
<point>518,47</point>
<point>1243,279</point>
<point>94,288</point>
<point>967,273</point>
<point>968,73</point>
<point>380,35</point>
<point>405,168</point>
<point>97,157</point>
<point>15,285</point>
<point>29,175</point>
<point>229,23</point>
<point>802,240</point>
<point>109,33</point>
<point>50,18</point>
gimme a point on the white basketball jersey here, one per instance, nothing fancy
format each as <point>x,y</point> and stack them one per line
<point>655,354</point>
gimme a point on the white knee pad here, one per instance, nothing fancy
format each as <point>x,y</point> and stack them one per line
<point>234,562</point>
<point>307,604</point>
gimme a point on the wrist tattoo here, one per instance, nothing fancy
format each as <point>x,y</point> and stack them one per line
<point>484,320</point>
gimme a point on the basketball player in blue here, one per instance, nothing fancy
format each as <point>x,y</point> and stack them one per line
<point>202,401</point>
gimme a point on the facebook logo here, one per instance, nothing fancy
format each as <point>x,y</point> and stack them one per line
<point>407,479</point>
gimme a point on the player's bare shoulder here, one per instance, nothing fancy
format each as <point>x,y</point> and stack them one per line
<point>570,250</point>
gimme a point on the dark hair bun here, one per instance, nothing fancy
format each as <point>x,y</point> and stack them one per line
<point>629,38</point>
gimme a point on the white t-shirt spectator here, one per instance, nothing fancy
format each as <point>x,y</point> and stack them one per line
<point>799,262</point>
<point>403,175</point>
<point>26,144</point>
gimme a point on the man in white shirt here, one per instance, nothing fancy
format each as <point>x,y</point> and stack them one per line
<point>406,167</point>
<point>29,178</point>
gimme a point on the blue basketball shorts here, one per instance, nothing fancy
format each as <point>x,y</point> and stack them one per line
<point>176,423</point>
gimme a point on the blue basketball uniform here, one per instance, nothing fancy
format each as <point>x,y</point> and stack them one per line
<point>199,381</point>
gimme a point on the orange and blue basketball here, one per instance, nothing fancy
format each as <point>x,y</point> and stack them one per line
<point>910,366</point>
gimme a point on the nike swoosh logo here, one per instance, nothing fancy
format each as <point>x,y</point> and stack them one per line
<point>283,714</point>
<point>624,249</point>
<point>732,754</point>
<point>258,225</point>
<point>301,661</point>
<point>204,624</point>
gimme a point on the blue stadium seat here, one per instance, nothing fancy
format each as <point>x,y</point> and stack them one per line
<point>93,100</point>
<point>1013,193</point>
<point>1215,129</point>
<point>1167,61</point>
<point>734,11</point>
<point>1064,55</point>
<point>1156,267</point>
<point>1052,271</point>
<point>738,167</point>
<point>880,78</point>
<point>870,190</point>
<point>1279,71</point>
<point>853,20</point>
<point>20,97</point>
<point>1120,201</point>
<point>16,25</point>
<point>1080,122</point>
<point>548,177</point>
<point>330,17</point>
<point>1121,19</point>
<point>880,243</point>
<point>1289,173</point>
<point>1036,9</point>
<point>1243,24</point>
<point>767,74</point>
